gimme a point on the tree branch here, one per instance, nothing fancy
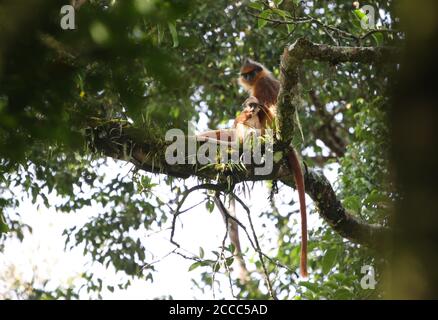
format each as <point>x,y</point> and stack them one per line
<point>122,141</point>
<point>332,211</point>
<point>304,49</point>
<point>329,132</point>
<point>233,232</point>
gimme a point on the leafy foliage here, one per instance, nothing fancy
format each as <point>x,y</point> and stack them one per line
<point>161,64</point>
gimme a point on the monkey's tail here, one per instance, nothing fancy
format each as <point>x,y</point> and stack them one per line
<point>294,164</point>
<point>233,232</point>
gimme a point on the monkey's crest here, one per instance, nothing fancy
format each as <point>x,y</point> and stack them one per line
<point>250,65</point>
<point>250,72</point>
<point>259,82</point>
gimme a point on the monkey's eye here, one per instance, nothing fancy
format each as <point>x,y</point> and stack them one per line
<point>249,75</point>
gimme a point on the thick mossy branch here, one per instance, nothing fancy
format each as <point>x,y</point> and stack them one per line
<point>147,152</point>
<point>122,141</point>
<point>304,49</point>
<point>332,211</point>
<point>288,97</point>
<point>317,186</point>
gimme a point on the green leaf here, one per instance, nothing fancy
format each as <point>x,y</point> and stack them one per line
<point>217,267</point>
<point>209,205</point>
<point>174,33</point>
<point>360,14</point>
<point>329,260</point>
<point>378,37</point>
<point>281,13</point>
<point>375,198</point>
<point>3,226</point>
<point>277,2</point>
<point>353,203</point>
<point>310,286</point>
<point>261,23</point>
<point>343,294</point>
<point>46,201</point>
<point>201,252</point>
<point>256,5</point>
<point>194,266</point>
<point>264,15</point>
<point>278,156</point>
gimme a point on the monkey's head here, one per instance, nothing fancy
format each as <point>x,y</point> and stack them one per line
<point>250,72</point>
<point>251,107</point>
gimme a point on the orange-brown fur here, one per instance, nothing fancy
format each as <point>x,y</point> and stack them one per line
<point>259,113</point>
<point>245,122</point>
<point>262,85</point>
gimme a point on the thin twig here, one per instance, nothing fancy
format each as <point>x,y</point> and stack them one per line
<point>259,250</point>
<point>156,261</point>
<point>371,32</point>
<point>194,258</point>
<point>208,186</point>
<point>310,19</point>
<point>224,259</point>
<point>233,231</point>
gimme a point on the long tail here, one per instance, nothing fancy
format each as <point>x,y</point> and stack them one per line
<point>294,164</point>
<point>233,232</point>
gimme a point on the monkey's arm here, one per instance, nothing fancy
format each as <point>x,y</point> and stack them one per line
<point>247,119</point>
<point>225,137</point>
<point>220,135</point>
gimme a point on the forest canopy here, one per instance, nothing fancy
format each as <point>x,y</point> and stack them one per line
<point>75,99</point>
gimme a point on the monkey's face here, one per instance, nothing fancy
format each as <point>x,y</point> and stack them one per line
<point>249,72</point>
<point>251,107</point>
<point>251,111</point>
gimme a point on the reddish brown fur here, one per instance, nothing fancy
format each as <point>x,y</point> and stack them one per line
<point>263,86</point>
<point>259,113</point>
<point>299,183</point>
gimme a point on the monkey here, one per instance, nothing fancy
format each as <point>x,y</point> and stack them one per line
<point>262,85</point>
<point>260,113</point>
<point>242,129</point>
<point>244,125</point>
